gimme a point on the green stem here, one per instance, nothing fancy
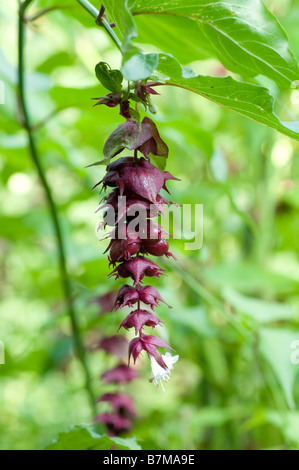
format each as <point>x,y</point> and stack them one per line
<point>266,206</point>
<point>95,13</point>
<point>25,4</point>
<point>44,12</point>
<point>52,208</point>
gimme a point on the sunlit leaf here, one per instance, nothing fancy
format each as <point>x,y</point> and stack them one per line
<point>260,310</point>
<point>249,100</point>
<point>140,66</point>
<point>82,438</point>
<point>245,36</point>
<point>276,347</point>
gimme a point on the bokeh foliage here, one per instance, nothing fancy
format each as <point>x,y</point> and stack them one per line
<point>235,301</point>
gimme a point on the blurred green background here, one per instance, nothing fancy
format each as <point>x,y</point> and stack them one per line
<point>235,300</point>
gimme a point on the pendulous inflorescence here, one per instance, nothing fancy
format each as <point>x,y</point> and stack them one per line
<point>129,210</point>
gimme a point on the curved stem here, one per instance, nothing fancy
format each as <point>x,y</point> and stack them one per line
<point>45,11</point>
<point>101,21</point>
<point>52,208</point>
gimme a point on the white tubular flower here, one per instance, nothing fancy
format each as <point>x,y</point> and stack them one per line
<point>158,373</point>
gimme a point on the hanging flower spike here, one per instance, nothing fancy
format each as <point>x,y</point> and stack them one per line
<point>136,185</point>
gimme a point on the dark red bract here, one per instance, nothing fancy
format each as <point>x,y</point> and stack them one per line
<point>116,345</point>
<point>120,374</point>
<point>137,268</point>
<point>139,318</point>
<point>148,343</point>
<point>138,176</point>
<point>114,422</point>
<point>120,403</point>
<point>128,296</point>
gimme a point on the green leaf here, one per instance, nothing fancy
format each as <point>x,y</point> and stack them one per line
<point>119,14</point>
<point>110,79</point>
<point>158,161</point>
<point>276,347</point>
<point>82,438</point>
<point>251,101</point>
<point>248,277</point>
<point>259,310</point>
<point>67,97</point>
<point>128,443</point>
<point>140,66</point>
<point>288,423</point>
<point>136,65</point>
<point>162,33</point>
<point>194,318</point>
<point>244,35</point>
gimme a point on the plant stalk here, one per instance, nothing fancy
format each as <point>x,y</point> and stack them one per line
<point>66,285</point>
<point>95,13</point>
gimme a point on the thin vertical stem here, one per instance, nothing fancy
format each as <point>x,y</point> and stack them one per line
<point>66,285</point>
<point>266,206</point>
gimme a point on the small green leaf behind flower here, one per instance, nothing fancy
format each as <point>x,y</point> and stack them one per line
<point>110,79</point>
